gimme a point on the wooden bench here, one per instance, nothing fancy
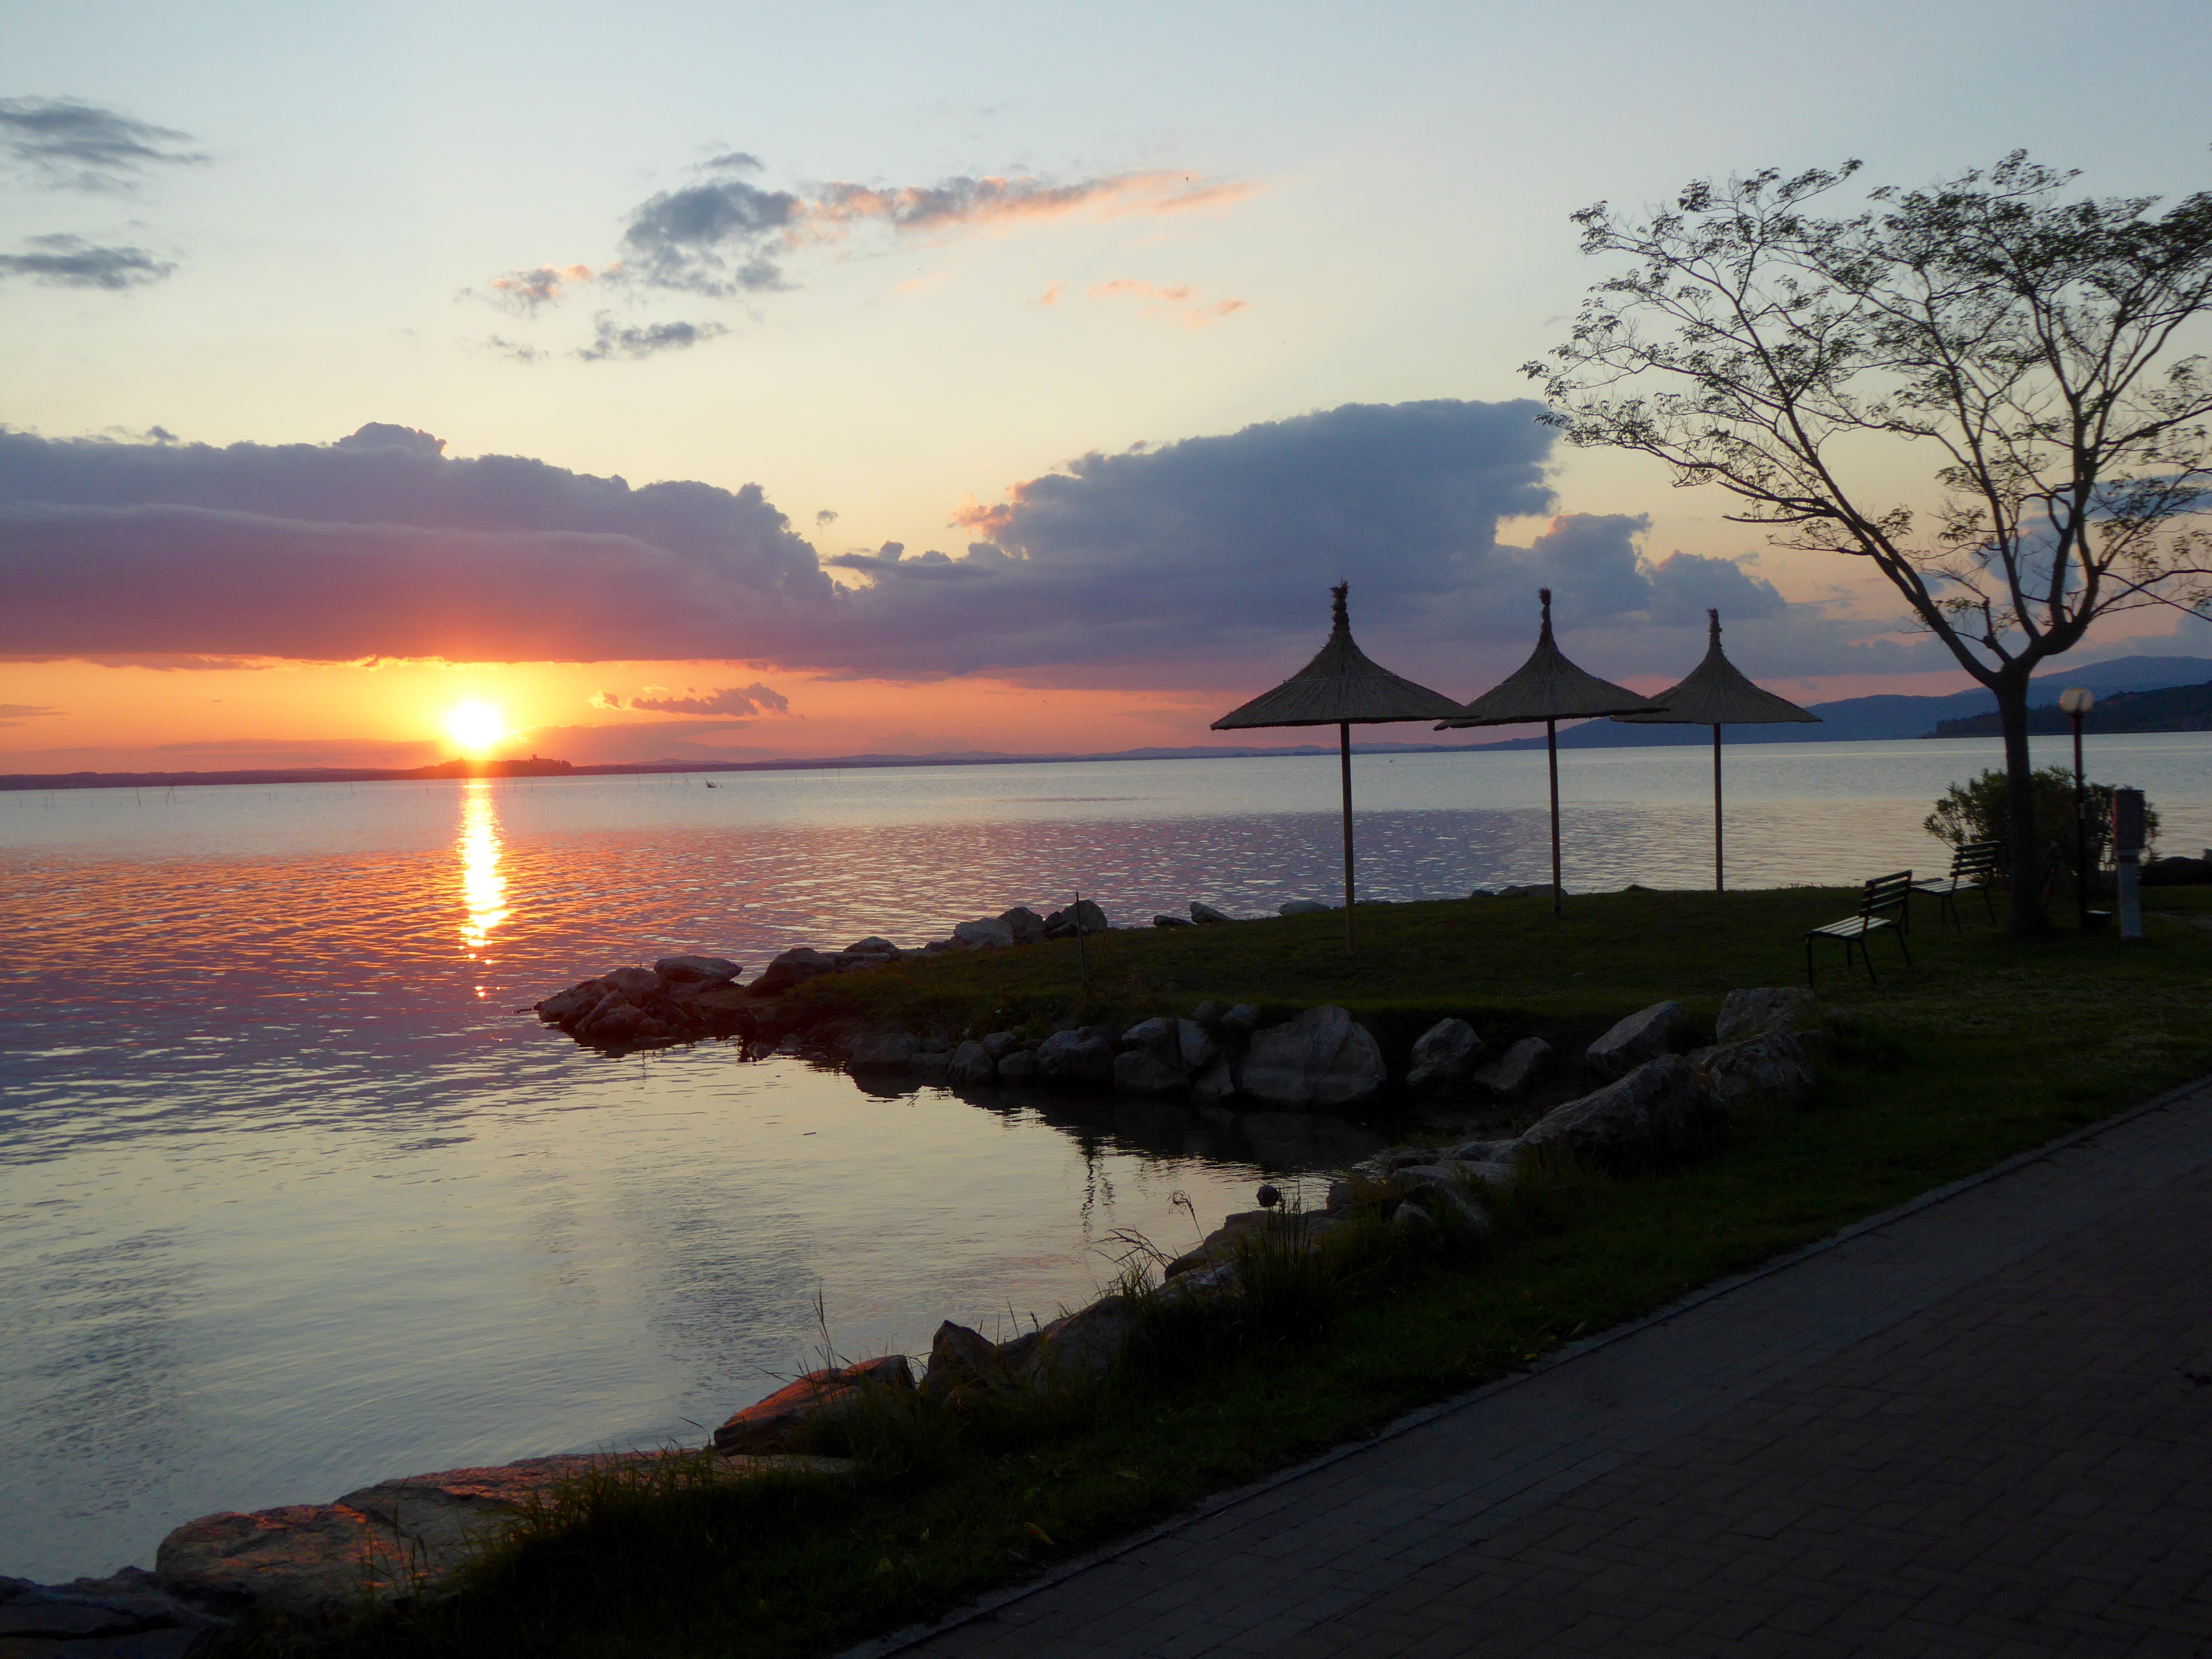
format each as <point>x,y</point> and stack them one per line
<point>1884,893</point>
<point>1973,870</point>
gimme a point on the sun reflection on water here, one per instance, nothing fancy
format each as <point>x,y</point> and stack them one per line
<point>484,889</point>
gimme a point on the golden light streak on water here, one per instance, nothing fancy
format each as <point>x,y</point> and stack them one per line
<point>484,888</point>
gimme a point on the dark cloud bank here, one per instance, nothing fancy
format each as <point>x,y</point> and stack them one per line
<point>1204,561</point>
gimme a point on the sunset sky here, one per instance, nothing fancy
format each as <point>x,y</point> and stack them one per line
<point>701,380</point>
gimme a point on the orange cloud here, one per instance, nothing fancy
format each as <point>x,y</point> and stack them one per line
<point>1158,300</point>
<point>993,199</point>
<point>526,290</point>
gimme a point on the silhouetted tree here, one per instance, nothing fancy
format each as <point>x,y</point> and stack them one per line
<point>2038,350</point>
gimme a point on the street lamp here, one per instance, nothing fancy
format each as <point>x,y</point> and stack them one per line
<point>2077,700</point>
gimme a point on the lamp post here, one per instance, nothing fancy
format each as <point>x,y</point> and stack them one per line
<point>2077,700</point>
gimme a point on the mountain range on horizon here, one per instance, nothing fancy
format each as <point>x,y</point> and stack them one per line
<point>1887,716</point>
<point>1850,719</point>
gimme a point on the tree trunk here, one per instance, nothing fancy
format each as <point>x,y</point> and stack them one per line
<point>2025,916</point>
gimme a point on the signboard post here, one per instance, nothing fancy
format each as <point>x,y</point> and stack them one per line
<point>2127,853</point>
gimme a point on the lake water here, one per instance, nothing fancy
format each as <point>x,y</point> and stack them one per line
<point>291,1198</point>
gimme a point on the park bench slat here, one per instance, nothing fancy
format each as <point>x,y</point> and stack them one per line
<point>1883,894</point>
<point>1973,870</point>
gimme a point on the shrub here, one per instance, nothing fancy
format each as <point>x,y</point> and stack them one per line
<point>1977,811</point>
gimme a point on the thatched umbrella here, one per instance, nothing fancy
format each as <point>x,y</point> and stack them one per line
<point>1341,687</point>
<point>1717,695</point>
<point>1550,689</point>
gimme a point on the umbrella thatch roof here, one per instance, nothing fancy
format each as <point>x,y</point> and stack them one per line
<point>1548,687</point>
<point>1717,694</point>
<point>1342,686</point>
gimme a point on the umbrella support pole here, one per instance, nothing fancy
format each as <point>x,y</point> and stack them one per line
<point>1552,753</point>
<point>1720,882</point>
<point>1344,765</point>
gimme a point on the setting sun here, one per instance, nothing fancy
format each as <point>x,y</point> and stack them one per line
<point>476,727</point>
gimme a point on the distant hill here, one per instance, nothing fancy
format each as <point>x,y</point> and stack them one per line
<point>2178,708</point>
<point>1875,719</point>
<point>534,767</point>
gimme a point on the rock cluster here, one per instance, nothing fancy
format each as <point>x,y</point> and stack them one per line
<point>1657,1107</point>
<point>682,998</point>
<point>384,1543</point>
<point>677,998</point>
<point>1320,1059</point>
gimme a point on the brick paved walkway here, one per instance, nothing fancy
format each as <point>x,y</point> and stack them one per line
<point>1981,1427</point>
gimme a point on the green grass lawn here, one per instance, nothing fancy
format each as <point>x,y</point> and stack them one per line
<point>1985,1047</point>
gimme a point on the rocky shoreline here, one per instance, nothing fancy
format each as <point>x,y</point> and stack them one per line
<point>1653,1104</point>
<point>1318,1060</point>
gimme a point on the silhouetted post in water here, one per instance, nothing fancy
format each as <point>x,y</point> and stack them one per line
<point>1716,694</point>
<point>1341,687</point>
<point>1550,689</point>
<point>2077,700</point>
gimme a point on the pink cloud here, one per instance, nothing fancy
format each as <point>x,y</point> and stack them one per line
<point>1158,301</point>
<point>526,290</point>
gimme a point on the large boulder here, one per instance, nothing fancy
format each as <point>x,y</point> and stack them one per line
<point>1754,1012</point>
<point>1082,916</point>
<point>971,1067</point>
<point>394,1539</point>
<point>775,1424</point>
<point>1444,1055</point>
<point>1319,1059</point>
<point>1642,1036</point>
<point>1215,1083</point>
<point>614,1022</point>
<point>127,1615</point>
<point>1018,1065</point>
<point>1656,1114</point>
<point>1077,1348</point>
<point>1302,908</point>
<point>1075,1058</point>
<point>1205,914</point>
<point>1165,921</point>
<point>1000,1044</point>
<point>885,1051</point>
<point>1771,1066</point>
<point>1449,1201</point>
<point>794,967</point>
<point>698,970</point>
<point>1512,1072</point>
<point>985,933</point>
<point>1152,1070</point>
<point>632,982</point>
<point>963,1365</point>
<point>874,945</point>
<point>1024,924</point>
<point>1151,1061</point>
<point>1186,1039</point>
<point>567,1007</point>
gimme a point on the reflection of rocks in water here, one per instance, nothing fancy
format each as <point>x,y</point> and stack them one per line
<point>1290,1142</point>
<point>1299,1140</point>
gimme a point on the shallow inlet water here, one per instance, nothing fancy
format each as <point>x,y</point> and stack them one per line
<point>290,1198</point>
